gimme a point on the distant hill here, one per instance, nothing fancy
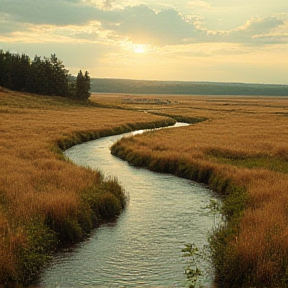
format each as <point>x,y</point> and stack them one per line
<point>189,88</point>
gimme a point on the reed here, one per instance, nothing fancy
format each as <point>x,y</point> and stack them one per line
<point>46,201</point>
<point>240,151</point>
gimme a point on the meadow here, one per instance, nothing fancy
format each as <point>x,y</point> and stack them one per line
<point>237,146</point>
<point>45,200</point>
<point>239,149</point>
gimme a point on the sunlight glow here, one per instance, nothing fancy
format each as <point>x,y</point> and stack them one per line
<point>139,48</point>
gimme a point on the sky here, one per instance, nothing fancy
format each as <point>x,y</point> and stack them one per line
<point>197,40</point>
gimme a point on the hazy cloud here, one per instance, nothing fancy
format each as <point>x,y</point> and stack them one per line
<point>261,26</point>
<point>143,25</point>
<point>108,4</point>
<point>56,12</point>
<point>7,27</point>
<point>257,31</point>
<point>199,4</point>
<point>139,24</point>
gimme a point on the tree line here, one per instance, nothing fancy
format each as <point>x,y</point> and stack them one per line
<point>128,86</point>
<point>47,76</point>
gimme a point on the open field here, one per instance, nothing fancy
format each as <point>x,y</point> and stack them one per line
<point>46,201</point>
<point>241,151</point>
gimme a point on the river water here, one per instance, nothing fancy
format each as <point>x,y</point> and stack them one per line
<point>142,248</point>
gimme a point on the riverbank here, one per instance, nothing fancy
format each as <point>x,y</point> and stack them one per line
<point>241,152</point>
<point>146,240</point>
<point>46,201</point>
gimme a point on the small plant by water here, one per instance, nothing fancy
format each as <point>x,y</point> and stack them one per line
<point>214,208</point>
<point>192,270</point>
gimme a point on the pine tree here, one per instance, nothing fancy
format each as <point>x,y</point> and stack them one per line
<point>2,68</point>
<point>58,77</point>
<point>82,86</point>
<point>38,80</point>
<point>20,72</point>
<point>46,77</point>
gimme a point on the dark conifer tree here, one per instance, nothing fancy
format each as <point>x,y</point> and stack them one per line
<point>46,77</point>
<point>88,84</point>
<point>38,80</point>
<point>20,72</point>
<point>58,77</point>
<point>82,86</point>
<point>6,70</point>
<point>2,68</point>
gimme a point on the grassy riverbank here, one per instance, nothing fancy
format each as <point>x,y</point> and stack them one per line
<point>46,201</point>
<point>240,151</point>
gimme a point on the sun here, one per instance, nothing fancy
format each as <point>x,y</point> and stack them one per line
<point>139,48</point>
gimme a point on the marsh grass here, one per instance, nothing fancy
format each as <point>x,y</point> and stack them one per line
<point>276,162</point>
<point>240,151</point>
<point>266,162</point>
<point>46,201</point>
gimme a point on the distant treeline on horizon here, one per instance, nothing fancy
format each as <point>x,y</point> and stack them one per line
<point>185,88</point>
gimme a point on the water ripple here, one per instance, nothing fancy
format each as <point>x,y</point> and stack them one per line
<point>143,247</point>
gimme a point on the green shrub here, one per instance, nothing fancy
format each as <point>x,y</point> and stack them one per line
<point>109,206</point>
<point>33,252</point>
<point>68,229</point>
<point>112,186</point>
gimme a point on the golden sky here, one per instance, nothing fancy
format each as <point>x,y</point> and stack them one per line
<point>198,40</point>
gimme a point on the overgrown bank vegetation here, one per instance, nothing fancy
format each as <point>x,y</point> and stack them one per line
<point>241,151</point>
<point>46,201</point>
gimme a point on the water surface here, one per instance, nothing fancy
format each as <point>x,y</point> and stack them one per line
<point>142,248</point>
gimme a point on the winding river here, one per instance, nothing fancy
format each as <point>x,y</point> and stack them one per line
<point>142,248</point>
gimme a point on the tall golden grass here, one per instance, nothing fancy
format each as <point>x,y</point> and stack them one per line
<point>44,199</point>
<point>241,150</point>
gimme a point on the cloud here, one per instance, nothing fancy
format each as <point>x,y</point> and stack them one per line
<point>57,12</point>
<point>258,31</point>
<point>108,4</point>
<point>7,27</point>
<point>260,26</point>
<point>199,4</point>
<point>142,24</point>
<point>138,24</point>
